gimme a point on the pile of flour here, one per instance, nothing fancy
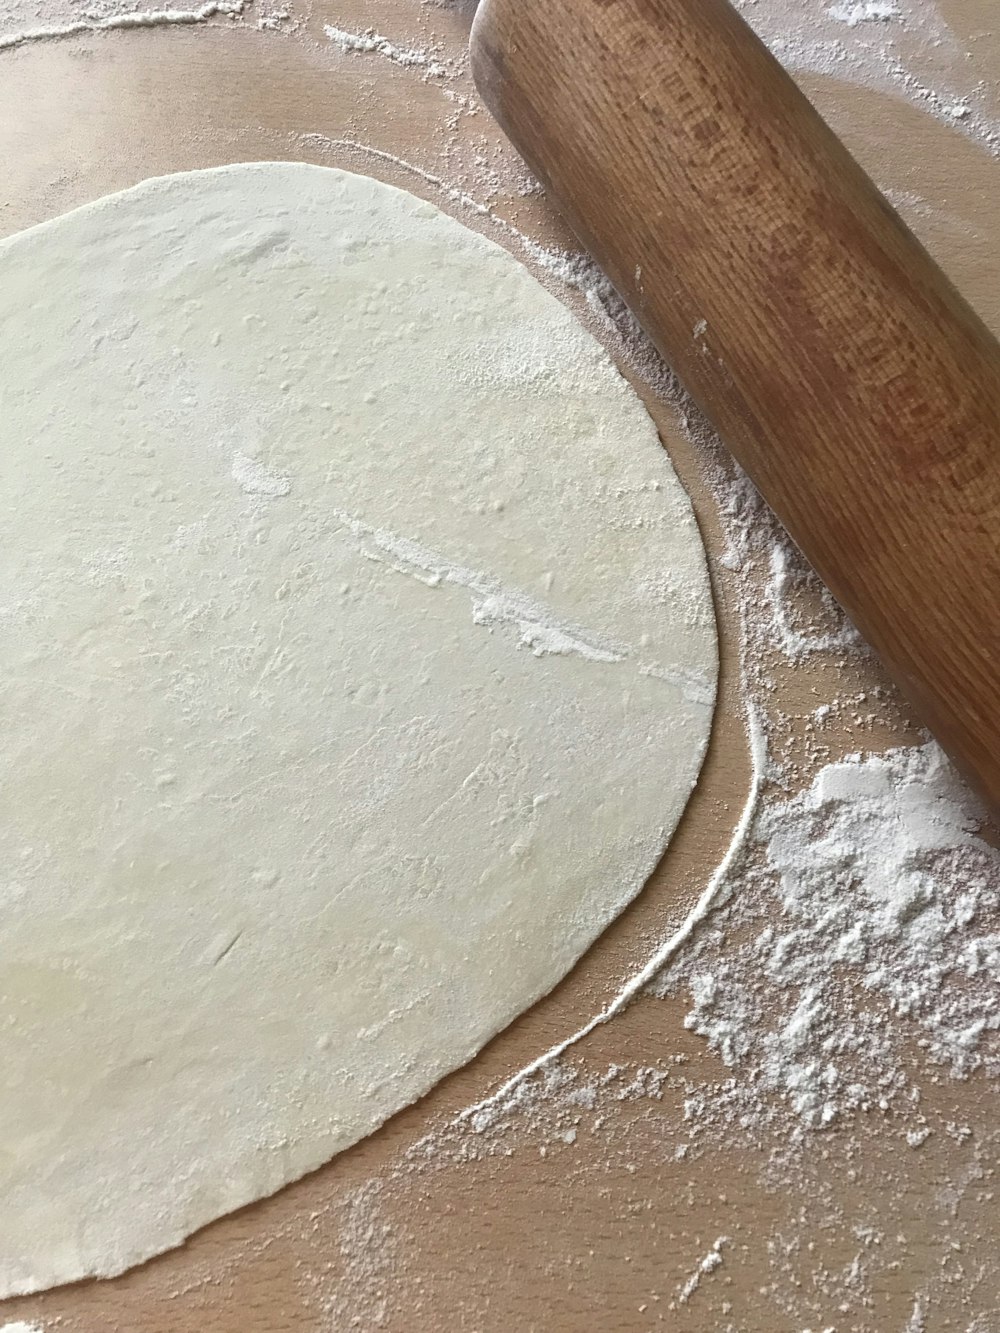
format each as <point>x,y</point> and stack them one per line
<point>866,915</point>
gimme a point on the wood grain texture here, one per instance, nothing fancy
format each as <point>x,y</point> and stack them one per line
<point>850,379</point>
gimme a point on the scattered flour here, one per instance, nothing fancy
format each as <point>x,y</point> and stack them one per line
<point>369,1250</point>
<point>371,42</point>
<point>903,47</point>
<point>485,1113</point>
<point>143,18</point>
<point>788,577</point>
<point>711,1261</point>
<point>869,917</point>
<point>864,11</point>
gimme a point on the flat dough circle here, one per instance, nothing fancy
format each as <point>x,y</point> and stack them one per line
<point>358,659</point>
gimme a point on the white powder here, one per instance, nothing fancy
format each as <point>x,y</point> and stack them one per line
<point>371,42</point>
<point>864,11</point>
<point>869,918</point>
<point>485,1113</point>
<point>905,47</point>
<point>369,1248</point>
<point>254,478</point>
<point>492,604</point>
<point>821,957</point>
<point>915,1323</point>
<point>709,1264</point>
<point>788,578</point>
<point>150,18</point>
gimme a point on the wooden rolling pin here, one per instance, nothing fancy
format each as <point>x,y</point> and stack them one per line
<point>853,383</point>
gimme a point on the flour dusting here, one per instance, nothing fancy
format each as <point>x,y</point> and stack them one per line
<point>143,18</point>
<point>494,605</point>
<point>371,42</point>
<point>495,1107</point>
<point>872,914</point>
<point>864,11</point>
<point>904,47</point>
<point>711,1261</point>
<point>853,921</point>
<point>255,478</point>
<point>846,958</point>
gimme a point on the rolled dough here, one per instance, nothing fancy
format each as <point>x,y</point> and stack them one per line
<point>357,660</point>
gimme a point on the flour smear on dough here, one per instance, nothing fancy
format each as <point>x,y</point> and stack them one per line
<point>358,661</point>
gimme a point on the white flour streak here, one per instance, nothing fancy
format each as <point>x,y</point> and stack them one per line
<point>536,633</point>
<point>373,43</point>
<point>149,18</point>
<point>715,894</point>
<point>694,688</point>
<point>454,195</point>
<point>916,1324</point>
<point>494,604</point>
<point>709,1264</point>
<point>367,150</point>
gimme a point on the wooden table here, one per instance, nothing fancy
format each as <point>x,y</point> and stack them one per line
<point>562,1216</point>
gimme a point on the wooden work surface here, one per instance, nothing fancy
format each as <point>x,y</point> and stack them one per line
<point>548,1224</point>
